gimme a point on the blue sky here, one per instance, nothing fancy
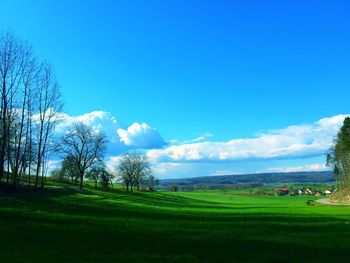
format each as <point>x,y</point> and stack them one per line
<point>219,70</point>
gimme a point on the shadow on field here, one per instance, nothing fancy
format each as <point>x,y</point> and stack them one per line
<point>64,225</point>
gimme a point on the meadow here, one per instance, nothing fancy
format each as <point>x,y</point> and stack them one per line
<point>63,225</point>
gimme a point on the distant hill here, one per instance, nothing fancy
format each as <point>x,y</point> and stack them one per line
<point>217,182</point>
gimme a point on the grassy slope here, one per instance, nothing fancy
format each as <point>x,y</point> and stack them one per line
<point>66,226</point>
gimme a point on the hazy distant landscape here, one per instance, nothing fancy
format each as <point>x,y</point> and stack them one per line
<point>247,180</point>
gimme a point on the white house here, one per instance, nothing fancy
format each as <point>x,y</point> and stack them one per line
<point>308,191</point>
<point>327,192</point>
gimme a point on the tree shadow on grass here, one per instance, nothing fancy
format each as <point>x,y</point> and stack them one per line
<point>97,226</point>
<point>136,242</point>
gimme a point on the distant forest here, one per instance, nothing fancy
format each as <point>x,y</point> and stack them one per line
<point>248,180</point>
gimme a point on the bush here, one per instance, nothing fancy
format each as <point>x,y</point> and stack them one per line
<point>58,176</point>
<point>174,188</point>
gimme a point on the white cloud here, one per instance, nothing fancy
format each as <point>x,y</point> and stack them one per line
<point>296,141</point>
<point>311,167</point>
<point>200,138</point>
<point>294,148</point>
<point>136,136</point>
<point>164,168</point>
<point>112,162</point>
<point>224,172</point>
<point>141,136</point>
<point>99,120</point>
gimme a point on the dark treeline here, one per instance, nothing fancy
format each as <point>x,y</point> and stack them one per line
<point>338,157</point>
<point>239,181</point>
<point>29,110</point>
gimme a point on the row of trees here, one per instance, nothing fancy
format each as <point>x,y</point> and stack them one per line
<point>134,169</point>
<point>29,110</point>
<point>83,150</point>
<point>98,173</point>
<point>338,157</point>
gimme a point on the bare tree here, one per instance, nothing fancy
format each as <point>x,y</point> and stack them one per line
<point>142,169</point>
<point>95,172</point>
<point>30,103</point>
<point>69,169</point>
<point>11,50</point>
<point>106,178</point>
<point>152,182</point>
<point>133,169</point>
<point>20,113</point>
<point>85,146</point>
<point>125,170</point>
<point>49,105</point>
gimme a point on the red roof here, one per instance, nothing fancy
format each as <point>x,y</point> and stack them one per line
<point>283,189</point>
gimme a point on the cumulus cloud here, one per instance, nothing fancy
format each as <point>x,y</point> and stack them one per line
<point>120,138</point>
<point>112,162</point>
<point>98,120</point>
<point>298,141</point>
<point>141,136</point>
<point>289,149</point>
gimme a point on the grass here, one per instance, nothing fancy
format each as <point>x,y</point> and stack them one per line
<point>63,225</point>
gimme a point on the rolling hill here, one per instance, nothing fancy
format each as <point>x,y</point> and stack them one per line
<point>217,182</point>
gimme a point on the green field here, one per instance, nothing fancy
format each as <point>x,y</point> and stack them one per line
<point>63,225</point>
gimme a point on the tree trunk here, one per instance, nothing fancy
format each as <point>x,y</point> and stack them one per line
<point>38,166</point>
<point>17,158</point>
<point>4,132</point>
<point>43,177</point>
<point>37,177</point>
<point>29,173</point>
<point>81,181</point>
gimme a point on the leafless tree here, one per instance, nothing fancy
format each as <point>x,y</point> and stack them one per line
<point>125,170</point>
<point>152,182</point>
<point>95,172</point>
<point>133,169</point>
<point>20,114</point>
<point>30,103</point>
<point>69,169</point>
<point>11,50</point>
<point>49,105</point>
<point>85,146</point>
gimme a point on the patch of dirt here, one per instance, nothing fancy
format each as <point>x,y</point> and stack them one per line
<point>326,201</point>
<point>341,196</point>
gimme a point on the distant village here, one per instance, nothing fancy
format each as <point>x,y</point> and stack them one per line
<point>280,191</point>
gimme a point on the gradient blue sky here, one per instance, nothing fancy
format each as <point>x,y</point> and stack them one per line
<point>234,69</point>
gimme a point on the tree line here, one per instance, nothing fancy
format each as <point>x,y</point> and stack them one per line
<point>83,150</point>
<point>30,109</point>
<point>338,157</point>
